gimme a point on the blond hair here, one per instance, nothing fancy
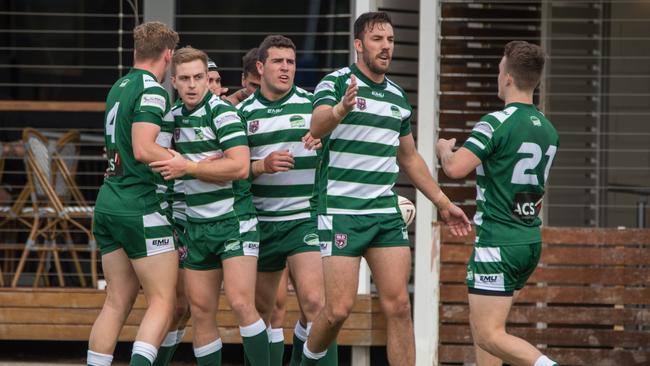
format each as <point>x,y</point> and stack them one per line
<point>151,39</point>
<point>188,54</point>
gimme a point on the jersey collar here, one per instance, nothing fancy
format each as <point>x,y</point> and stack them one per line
<point>365,79</point>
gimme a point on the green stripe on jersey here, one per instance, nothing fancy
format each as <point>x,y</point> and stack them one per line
<point>213,126</point>
<point>275,126</point>
<point>359,166</point>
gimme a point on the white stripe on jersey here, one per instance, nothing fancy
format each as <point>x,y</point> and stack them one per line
<point>297,148</point>
<point>193,186</point>
<point>358,190</point>
<point>368,163</point>
<point>476,142</point>
<point>212,209</point>
<point>189,134</point>
<point>501,116</point>
<point>366,133</point>
<point>290,177</point>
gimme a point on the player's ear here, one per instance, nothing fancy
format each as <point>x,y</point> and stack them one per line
<point>260,67</point>
<point>358,45</point>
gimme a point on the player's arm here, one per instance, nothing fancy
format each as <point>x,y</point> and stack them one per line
<point>145,148</point>
<point>457,164</point>
<point>233,165</point>
<point>411,162</point>
<point>326,117</point>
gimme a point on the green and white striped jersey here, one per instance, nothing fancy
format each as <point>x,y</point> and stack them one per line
<point>280,125</point>
<point>516,147</point>
<point>213,126</point>
<point>359,163</point>
<point>170,192</point>
<point>129,188</point>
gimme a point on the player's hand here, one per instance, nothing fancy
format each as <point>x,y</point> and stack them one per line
<point>222,92</point>
<point>311,143</point>
<point>173,168</point>
<point>278,161</point>
<point>445,146</point>
<point>456,219</point>
<point>350,98</point>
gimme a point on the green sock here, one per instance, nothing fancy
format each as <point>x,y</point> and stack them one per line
<point>210,354</point>
<point>256,343</point>
<point>139,360</point>
<point>306,361</point>
<point>296,351</point>
<point>332,356</point>
<point>299,337</point>
<point>167,349</point>
<point>213,359</point>
<point>143,354</point>
<point>276,347</point>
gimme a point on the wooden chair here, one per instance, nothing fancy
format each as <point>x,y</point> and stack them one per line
<point>51,217</point>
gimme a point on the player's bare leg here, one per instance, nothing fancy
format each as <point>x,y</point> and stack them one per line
<point>157,275</point>
<point>122,287</point>
<point>203,289</point>
<point>391,269</point>
<point>487,318</point>
<point>341,279</point>
<point>239,285</point>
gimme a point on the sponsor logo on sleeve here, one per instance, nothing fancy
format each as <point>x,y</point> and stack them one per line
<point>153,100</point>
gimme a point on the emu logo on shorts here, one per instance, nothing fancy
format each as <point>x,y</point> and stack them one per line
<point>253,126</point>
<point>361,104</point>
<point>341,240</point>
<point>160,242</point>
<point>311,239</point>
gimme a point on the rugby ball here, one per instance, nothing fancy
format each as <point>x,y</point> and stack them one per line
<point>407,208</point>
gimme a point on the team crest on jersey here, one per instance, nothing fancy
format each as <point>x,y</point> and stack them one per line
<point>124,82</point>
<point>361,103</point>
<point>198,133</point>
<point>341,240</point>
<point>177,134</point>
<point>253,126</point>
<point>297,121</point>
<point>395,111</point>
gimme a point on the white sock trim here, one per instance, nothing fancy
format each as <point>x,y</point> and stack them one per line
<point>544,361</point>
<point>180,334</point>
<point>253,329</point>
<point>170,339</point>
<point>277,335</point>
<point>208,348</point>
<point>313,355</point>
<point>300,332</point>
<point>99,359</point>
<point>145,349</point>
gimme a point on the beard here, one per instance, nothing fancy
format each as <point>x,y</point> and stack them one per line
<point>374,66</point>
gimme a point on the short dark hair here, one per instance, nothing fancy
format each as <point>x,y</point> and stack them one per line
<point>525,62</point>
<point>367,21</point>
<point>249,62</point>
<point>274,40</point>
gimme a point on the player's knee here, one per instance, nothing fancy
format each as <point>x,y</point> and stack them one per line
<point>398,307</point>
<point>339,312</point>
<point>485,338</point>
<point>312,304</point>
<point>242,307</point>
<point>182,309</point>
